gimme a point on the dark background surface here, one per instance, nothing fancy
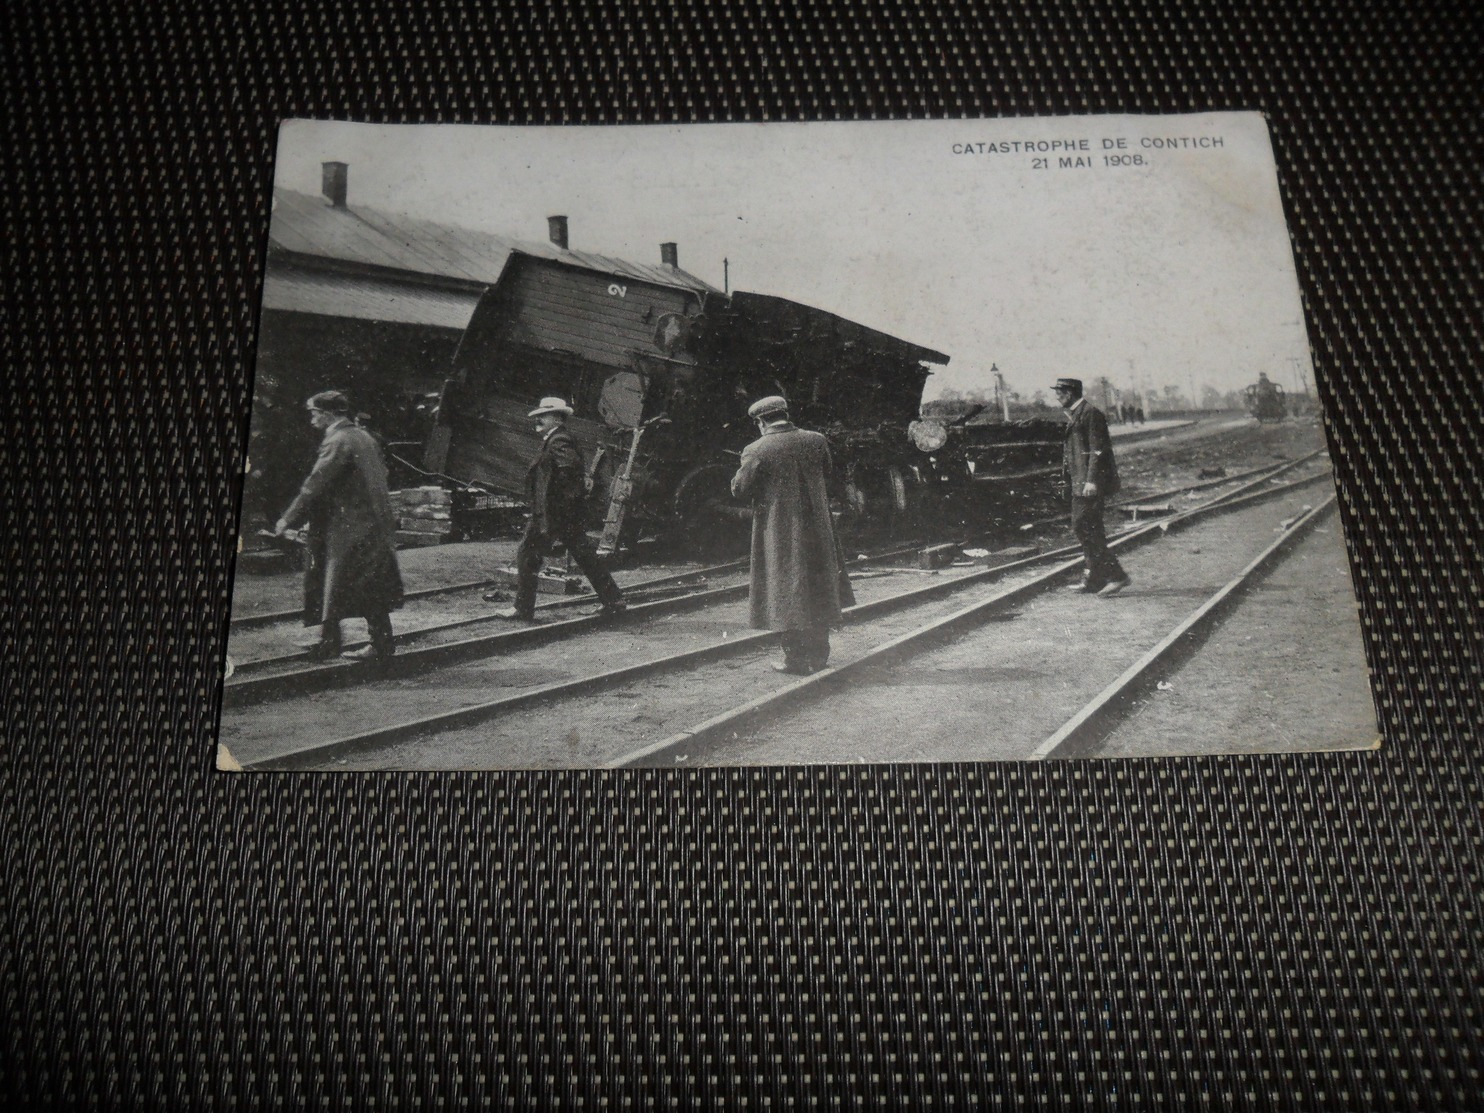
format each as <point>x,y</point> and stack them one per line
<point>1293,931</point>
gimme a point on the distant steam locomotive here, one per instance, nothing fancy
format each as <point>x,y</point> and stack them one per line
<point>1265,400</point>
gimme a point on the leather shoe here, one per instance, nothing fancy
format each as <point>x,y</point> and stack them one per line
<point>793,669</point>
<point>370,653</point>
<point>613,609</point>
<point>1115,587</point>
<point>496,595</point>
<point>322,652</point>
<point>516,615</point>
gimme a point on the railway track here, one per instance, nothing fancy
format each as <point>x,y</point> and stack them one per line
<point>253,621</point>
<point>473,714</point>
<point>1078,736</point>
<point>280,676</point>
<point>272,677</point>
<point>1262,472</point>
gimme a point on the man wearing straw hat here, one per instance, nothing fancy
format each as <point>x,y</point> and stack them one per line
<point>556,490</point>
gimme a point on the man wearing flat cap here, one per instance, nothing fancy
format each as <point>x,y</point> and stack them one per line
<point>352,534</point>
<point>798,582</point>
<point>556,490</point>
<point>1091,477</point>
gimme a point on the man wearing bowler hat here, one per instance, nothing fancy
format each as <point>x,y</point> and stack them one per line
<point>556,491</point>
<point>352,534</point>
<point>798,584</point>
<point>1091,477</point>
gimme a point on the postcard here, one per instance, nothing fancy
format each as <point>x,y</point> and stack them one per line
<point>785,444</point>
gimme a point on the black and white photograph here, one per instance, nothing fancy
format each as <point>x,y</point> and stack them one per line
<point>774,444</point>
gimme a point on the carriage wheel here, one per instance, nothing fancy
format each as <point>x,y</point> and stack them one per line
<point>709,521</point>
<point>878,497</point>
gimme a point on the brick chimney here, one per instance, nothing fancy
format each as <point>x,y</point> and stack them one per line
<point>335,183</point>
<point>670,254</point>
<point>556,229</point>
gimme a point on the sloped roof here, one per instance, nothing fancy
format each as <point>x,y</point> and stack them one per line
<point>370,298</point>
<point>310,226</point>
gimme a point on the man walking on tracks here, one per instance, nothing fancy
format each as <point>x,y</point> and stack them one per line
<point>352,534</point>
<point>798,580</point>
<point>556,490</point>
<point>1091,477</point>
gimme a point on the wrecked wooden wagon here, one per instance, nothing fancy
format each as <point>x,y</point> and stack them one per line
<point>445,337</point>
<point>660,367</point>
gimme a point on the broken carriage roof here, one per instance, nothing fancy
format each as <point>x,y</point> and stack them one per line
<point>306,225</point>
<point>782,321</point>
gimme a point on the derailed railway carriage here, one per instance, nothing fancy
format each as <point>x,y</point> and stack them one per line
<point>445,337</point>
<point>655,350</point>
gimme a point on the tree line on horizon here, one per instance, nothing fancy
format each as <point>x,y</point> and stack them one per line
<point>1101,393</point>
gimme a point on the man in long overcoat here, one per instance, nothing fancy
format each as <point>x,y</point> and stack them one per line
<point>1091,476</point>
<point>352,533</point>
<point>556,490</point>
<point>798,581</point>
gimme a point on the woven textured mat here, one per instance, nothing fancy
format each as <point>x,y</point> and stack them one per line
<point>1289,931</point>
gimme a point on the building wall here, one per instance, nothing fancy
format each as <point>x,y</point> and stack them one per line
<point>597,317</point>
<point>382,366</point>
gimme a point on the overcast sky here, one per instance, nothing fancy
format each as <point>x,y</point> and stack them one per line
<point>1174,271</point>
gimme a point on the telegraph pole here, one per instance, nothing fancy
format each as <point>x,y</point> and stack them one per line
<point>1002,393</point>
<point>1300,381</point>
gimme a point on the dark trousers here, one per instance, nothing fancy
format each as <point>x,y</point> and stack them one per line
<point>806,647</point>
<point>1087,526</point>
<point>531,554</point>
<point>378,627</point>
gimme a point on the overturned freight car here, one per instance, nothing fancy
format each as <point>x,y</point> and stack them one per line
<point>660,368</point>
<point>444,337</point>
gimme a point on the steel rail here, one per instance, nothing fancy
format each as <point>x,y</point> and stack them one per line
<point>1216,482</point>
<point>473,715</point>
<point>262,620</point>
<point>253,667</point>
<point>648,584</point>
<point>258,688</point>
<point>1082,733</point>
<point>327,676</point>
<point>1268,472</point>
<point>301,658</point>
<point>645,586</point>
<point>684,743</point>
<point>310,679</point>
